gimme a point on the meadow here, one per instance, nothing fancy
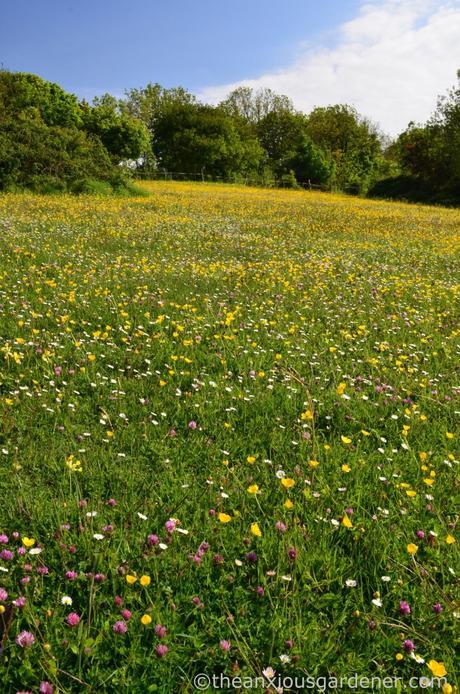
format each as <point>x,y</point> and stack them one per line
<point>228,439</point>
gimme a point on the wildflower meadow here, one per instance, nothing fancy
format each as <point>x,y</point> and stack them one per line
<point>228,439</point>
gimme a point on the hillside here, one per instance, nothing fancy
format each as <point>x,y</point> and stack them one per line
<point>228,438</point>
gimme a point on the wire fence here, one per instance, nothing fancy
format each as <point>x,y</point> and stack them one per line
<point>160,175</point>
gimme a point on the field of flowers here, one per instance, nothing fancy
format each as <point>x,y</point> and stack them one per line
<point>228,439</point>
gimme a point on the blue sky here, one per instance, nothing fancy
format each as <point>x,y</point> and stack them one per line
<point>389,58</point>
<point>90,47</point>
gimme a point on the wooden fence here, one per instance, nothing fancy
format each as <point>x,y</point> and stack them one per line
<point>160,175</point>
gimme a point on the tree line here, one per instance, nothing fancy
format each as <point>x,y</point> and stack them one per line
<point>50,140</point>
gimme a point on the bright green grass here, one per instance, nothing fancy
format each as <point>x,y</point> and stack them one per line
<point>290,327</point>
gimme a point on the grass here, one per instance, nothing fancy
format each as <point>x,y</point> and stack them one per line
<point>276,372</point>
<point>85,186</point>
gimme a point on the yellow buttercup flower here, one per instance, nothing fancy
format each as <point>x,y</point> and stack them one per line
<point>146,619</point>
<point>450,539</point>
<point>347,522</point>
<point>74,465</point>
<point>345,439</point>
<point>130,579</point>
<point>253,489</point>
<point>341,388</point>
<point>306,416</point>
<point>255,530</point>
<point>436,668</point>
<point>411,548</point>
<point>28,541</point>
<point>224,518</point>
<point>287,482</point>
<point>144,580</point>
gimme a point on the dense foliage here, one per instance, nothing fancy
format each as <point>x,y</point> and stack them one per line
<point>428,156</point>
<point>193,137</point>
<point>227,441</point>
<point>50,140</point>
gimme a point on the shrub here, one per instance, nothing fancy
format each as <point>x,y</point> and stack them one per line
<point>289,180</point>
<point>91,186</point>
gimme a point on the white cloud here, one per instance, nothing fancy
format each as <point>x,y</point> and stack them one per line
<point>390,62</point>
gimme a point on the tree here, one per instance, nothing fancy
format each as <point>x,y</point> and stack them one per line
<point>123,136</point>
<point>289,149</point>
<point>428,156</point>
<point>192,138</point>
<point>311,164</point>
<point>21,91</point>
<point>40,156</point>
<point>281,133</point>
<point>418,151</point>
<point>351,142</point>
<point>43,141</point>
<point>446,124</point>
<point>253,106</point>
<point>149,103</point>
